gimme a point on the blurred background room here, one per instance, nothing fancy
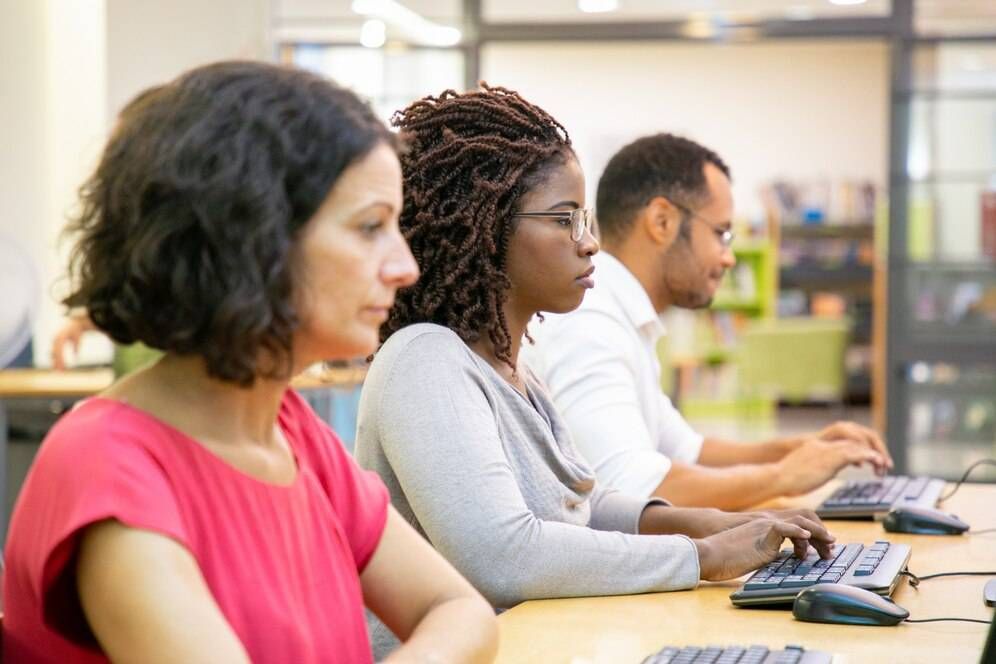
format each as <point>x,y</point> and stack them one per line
<point>861,136</point>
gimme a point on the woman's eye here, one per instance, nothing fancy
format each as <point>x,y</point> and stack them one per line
<point>371,228</point>
<point>564,221</point>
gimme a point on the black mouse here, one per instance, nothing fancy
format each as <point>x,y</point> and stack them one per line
<point>848,605</point>
<point>923,521</point>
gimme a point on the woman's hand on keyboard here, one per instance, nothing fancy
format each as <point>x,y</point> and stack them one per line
<point>743,549</point>
<point>706,521</point>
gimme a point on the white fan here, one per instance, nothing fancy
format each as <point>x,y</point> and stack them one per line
<point>18,301</point>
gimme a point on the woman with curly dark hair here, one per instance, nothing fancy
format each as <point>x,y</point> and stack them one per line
<point>243,220</point>
<point>471,447</point>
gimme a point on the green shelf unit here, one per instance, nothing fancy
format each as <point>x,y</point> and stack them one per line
<point>748,290</point>
<point>751,286</point>
<point>745,359</point>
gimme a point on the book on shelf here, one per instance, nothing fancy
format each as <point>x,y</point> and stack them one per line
<point>988,224</point>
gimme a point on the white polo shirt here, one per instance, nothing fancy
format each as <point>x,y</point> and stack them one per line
<point>600,365</point>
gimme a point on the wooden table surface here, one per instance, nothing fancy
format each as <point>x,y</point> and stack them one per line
<point>625,629</point>
<point>78,383</point>
<point>43,383</point>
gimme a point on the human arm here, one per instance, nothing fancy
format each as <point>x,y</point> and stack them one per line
<point>716,452</point>
<point>69,335</point>
<point>146,600</point>
<point>599,390</point>
<point>427,406</point>
<point>735,552</point>
<point>732,544</point>
<point>423,600</point>
<point>659,518</point>
<point>808,467</point>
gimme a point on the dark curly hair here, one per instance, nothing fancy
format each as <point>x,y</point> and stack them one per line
<point>470,158</point>
<point>188,225</point>
<point>658,165</point>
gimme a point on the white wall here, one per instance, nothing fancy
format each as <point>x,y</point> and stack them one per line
<point>69,66</point>
<point>53,93</point>
<point>151,41</point>
<point>22,98</point>
<point>790,109</point>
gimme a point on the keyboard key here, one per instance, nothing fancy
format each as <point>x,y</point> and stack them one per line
<point>849,555</point>
<point>731,655</point>
<point>686,656</point>
<point>754,655</point>
<point>762,585</point>
<point>709,655</point>
<point>864,570</point>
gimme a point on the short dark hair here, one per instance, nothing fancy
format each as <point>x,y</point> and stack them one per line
<point>472,157</point>
<point>659,165</point>
<point>187,227</point>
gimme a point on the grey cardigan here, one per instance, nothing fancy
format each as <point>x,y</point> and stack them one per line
<point>493,481</point>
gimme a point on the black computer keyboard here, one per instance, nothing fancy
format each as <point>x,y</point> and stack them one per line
<point>876,567</point>
<point>866,498</point>
<point>737,655</point>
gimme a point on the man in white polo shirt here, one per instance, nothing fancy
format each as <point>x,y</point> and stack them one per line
<point>664,209</point>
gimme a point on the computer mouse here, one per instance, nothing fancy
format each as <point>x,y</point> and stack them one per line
<point>923,521</point>
<point>848,605</point>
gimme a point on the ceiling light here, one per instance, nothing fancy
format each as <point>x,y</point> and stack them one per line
<point>847,2</point>
<point>373,34</point>
<point>598,6</point>
<point>416,27</point>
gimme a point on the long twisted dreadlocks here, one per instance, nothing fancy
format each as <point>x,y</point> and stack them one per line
<point>471,157</point>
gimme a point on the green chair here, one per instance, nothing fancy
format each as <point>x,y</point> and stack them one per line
<point>794,359</point>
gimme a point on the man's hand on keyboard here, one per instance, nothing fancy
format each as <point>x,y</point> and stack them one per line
<point>855,433</point>
<point>739,550</point>
<point>815,461</point>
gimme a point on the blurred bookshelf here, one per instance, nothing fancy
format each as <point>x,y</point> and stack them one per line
<point>825,233</point>
<point>739,359</point>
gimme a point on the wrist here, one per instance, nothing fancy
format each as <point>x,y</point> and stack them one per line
<point>787,445</point>
<point>706,554</point>
<point>775,476</point>
<point>657,519</point>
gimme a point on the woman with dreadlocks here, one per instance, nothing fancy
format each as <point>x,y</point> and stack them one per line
<point>473,451</point>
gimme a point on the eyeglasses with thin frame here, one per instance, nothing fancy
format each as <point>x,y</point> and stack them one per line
<point>724,235</point>
<point>579,220</point>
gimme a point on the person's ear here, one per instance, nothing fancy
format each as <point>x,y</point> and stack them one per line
<point>660,220</point>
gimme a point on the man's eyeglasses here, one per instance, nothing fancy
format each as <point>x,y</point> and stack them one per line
<point>724,235</point>
<point>579,220</point>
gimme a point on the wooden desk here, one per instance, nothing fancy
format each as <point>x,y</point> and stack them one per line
<point>79,383</point>
<point>628,628</point>
<point>45,383</point>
